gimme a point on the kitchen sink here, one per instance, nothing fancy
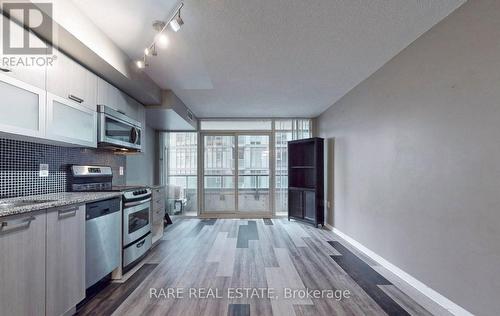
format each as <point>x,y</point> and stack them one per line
<point>6,205</point>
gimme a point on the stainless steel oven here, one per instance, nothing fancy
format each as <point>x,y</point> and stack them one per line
<point>137,238</point>
<point>116,130</point>
<point>136,220</point>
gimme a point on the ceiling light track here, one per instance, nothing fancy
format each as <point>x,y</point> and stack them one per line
<point>161,39</point>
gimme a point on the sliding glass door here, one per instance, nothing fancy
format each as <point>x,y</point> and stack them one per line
<point>236,173</point>
<point>253,173</point>
<point>219,173</point>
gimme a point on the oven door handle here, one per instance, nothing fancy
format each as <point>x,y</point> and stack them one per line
<point>132,204</point>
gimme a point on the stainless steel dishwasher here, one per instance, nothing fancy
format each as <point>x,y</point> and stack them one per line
<point>103,239</point>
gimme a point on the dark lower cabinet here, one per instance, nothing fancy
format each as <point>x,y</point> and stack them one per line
<point>310,205</point>
<point>295,203</point>
<point>305,180</point>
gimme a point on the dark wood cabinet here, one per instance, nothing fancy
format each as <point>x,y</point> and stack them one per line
<point>305,180</point>
<point>295,203</point>
<point>310,207</point>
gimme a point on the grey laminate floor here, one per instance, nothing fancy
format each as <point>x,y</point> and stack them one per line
<point>248,267</point>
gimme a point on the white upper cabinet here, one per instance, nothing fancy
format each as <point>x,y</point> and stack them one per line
<point>22,108</point>
<point>134,108</point>
<point>24,69</point>
<point>112,97</point>
<point>22,91</point>
<point>68,79</point>
<point>70,123</point>
<point>71,103</point>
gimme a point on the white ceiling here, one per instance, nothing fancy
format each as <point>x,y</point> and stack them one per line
<point>259,58</point>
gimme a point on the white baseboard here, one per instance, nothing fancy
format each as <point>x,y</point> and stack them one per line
<point>449,305</point>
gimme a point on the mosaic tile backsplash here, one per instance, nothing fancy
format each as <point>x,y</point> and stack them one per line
<point>20,164</point>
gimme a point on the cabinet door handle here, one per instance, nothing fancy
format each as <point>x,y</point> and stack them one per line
<point>5,69</point>
<point>15,225</point>
<point>75,98</point>
<point>62,214</point>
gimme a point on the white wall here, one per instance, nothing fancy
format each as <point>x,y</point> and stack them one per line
<point>417,158</point>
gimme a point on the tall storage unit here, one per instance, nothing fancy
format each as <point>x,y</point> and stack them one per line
<point>306,180</point>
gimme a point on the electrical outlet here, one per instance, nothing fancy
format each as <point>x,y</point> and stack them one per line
<point>44,170</point>
<point>121,171</point>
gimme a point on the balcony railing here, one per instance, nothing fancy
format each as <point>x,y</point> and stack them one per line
<point>253,194</point>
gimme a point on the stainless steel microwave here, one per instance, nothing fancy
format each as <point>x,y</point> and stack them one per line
<point>118,131</point>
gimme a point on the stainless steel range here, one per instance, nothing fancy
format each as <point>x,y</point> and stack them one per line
<point>137,237</point>
<point>136,208</point>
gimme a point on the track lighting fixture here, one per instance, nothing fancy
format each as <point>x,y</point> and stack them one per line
<point>161,38</point>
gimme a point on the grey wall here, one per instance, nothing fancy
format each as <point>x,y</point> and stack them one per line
<point>142,168</point>
<point>417,158</point>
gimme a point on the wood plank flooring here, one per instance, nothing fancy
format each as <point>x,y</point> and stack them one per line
<point>200,265</point>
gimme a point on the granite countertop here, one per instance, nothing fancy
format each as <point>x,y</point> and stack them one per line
<point>53,200</point>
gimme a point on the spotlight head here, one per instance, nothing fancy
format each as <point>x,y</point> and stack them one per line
<point>162,40</point>
<point>176,23</point>
<point>140,64</point>
<point>147,51</point>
